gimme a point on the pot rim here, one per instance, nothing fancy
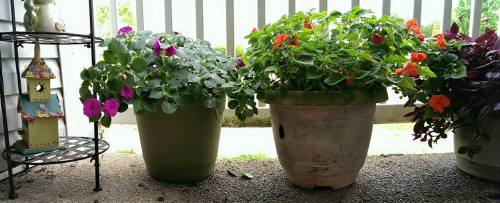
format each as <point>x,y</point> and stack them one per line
<point>327,98</point>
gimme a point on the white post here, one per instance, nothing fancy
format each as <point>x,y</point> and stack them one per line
<point>386,8</point>
<point>446,15</point>
<point>354,3</point>
<point>230,27</point>
<point>168,16</point>
<point>323,5</point>
<point>475,18</point>
<point>199,19</point>
<point>139,14</point>
<point>261,13</point>
<point>113,14</point>
<point>291,7</point>
<point>417,10</point>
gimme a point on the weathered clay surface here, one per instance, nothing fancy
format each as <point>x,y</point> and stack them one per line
<point>322,145</point>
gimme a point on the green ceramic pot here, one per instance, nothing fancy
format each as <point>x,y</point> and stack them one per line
<point>183,146</point>
<point>486,163</point>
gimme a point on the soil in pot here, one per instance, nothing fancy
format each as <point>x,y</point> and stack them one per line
<point>322,138</point>
<point>183,146</point>
<point>486,163</point>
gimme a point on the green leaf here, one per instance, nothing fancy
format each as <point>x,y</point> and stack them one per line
<point>228,85</point>
<point>247,176</point>
<point>139,64</point>
<point>114,85</point>
<point>85,93</point>
<point>271,69</point>
<point>312,74</point>
<point>210,84</point>
<point>407,83</point>
<point>232,104</point>
<point>426,71</point>
<point>351,52</point>
<point>117,46</point>
<point>154,83</point>
<point>110,57</point>
<point>156,94</point>
<point>138,106</point>
<point>334,79</point>
<point>168,107</point>
<point>106,121</point>
<point>461,72</point>
<point>305,61</point>
<point>249,92</point>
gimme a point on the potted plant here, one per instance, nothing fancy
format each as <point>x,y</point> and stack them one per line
<point>178,89</point>
<point>460,93</point>
<point>322,85</point>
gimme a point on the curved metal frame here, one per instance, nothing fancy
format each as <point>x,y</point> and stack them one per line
<point>18,38</point>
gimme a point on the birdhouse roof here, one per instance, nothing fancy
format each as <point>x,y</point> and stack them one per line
<point>38,69</point>
<point>30,110</point>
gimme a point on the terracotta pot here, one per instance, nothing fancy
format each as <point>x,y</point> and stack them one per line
<point>183,146</point>
<point>486,163</point>
<point>322,138</point>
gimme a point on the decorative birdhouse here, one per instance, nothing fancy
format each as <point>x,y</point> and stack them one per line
<point>38,75</point>
<point>40,121</point>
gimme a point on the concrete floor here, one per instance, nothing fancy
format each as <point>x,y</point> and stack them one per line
<point>404,178</point>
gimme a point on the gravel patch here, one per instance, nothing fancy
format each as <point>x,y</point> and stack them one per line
<point>394,178</point>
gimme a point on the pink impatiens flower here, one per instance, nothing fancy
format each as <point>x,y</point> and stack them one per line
<point>92,108</point>
<point>111,107</point>
<point>124,31</point>
<point>170,51</point>
<point>127,93</point>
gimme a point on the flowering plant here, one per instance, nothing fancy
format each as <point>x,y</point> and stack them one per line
<point>457,83</point>
<point>155,72</point>
<point>327,52</point>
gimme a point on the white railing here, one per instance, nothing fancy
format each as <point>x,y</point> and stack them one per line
<point>261,15</point>
<point>389,112</point>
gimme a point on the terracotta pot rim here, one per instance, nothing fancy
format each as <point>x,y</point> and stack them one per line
<point>327,98</point>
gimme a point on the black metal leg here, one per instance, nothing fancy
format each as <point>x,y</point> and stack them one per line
<point>96,124</point>
<point>12,192</point>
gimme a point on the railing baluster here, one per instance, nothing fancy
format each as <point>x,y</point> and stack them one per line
<point>417,9</point>
<point>291,7</point>
<point>168,16</point>
<point>475,17</point>
<point>113,17</point>
<point>139,14</point>
<point>354,3</point>
<point>446,15</point>
<point>261,13</point>
<point>230,27</point>
<point>323,5</point>
<point>199,19</point>
<point>386,8</point>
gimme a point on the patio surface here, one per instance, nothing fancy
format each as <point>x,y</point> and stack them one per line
<point>401,178</point>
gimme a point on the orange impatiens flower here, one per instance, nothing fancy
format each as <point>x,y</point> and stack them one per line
<point>255,29</point>
<point>412,25</point>
<point>421,37</point>
<point>440,41</point>
<point>279,40</point>
<point>308,25</point>
<point>410,69</point>
<point>438,103</point>
<point>294,41</point>
<point>418,56</point>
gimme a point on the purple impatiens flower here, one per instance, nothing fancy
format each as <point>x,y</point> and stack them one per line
<point>170,51</point>
<point>239,62</point>
<point>125,30</point>
<point>92,108</point>
<point>127,93</point>
<point>111,107</point>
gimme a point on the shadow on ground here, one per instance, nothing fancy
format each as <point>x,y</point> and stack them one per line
<point>407,178</point>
